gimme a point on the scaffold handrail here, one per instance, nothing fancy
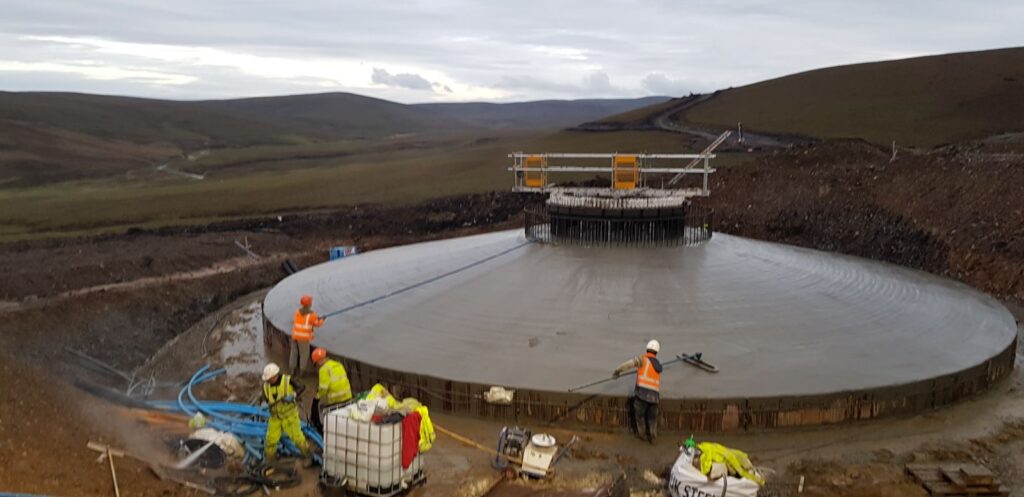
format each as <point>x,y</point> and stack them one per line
<point>609,155</point>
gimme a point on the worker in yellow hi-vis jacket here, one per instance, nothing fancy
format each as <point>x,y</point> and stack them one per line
<point>333,387</point>
<point>281,394</point>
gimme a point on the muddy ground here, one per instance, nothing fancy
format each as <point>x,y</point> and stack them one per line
<point>854,460</point>
<point>99,296</point>
<point>957,211</point>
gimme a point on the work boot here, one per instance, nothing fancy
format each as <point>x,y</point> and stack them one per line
<point>307,459</point>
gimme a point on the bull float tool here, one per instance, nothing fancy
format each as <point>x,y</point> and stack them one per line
<point>695,360</point>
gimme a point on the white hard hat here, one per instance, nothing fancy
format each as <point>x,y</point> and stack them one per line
<point>654,346</point>
<point>269,371</point>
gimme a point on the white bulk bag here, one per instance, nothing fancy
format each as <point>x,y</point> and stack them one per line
<point>688,481</point>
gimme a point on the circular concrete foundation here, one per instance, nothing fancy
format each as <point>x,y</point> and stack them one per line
<point>800,336</point>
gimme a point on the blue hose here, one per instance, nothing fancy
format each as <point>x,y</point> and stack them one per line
<point>500,462</point>
<point>246,422</point>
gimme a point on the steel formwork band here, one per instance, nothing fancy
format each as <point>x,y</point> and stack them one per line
<point>683,415</point>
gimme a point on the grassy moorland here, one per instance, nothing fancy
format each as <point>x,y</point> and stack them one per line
<point>273,179</point>
<point>74,163</point>
<point>924,101</point>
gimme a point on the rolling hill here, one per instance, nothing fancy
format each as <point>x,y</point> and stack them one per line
<point>923,101</point>
<point>51,137</point>
<point>539,114</point>
<point>136,120</point>
<point>333,115</point>
<point>285,119</point>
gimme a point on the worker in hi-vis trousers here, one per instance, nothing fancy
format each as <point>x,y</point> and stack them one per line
<point>646,395</point>
<point>302,334</point>
<point>281,394</point>
<point>332,389</point>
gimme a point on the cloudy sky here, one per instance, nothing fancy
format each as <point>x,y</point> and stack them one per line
<point>460,50</point>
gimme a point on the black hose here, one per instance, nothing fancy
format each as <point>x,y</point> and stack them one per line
<point>235,486</point>
<point>275,475</point>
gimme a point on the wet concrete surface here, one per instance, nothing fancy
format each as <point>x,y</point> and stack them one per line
<point>461,471</point>
<point>777,320</point>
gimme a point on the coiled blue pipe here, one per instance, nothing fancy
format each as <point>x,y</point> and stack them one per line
<point>246,422</point>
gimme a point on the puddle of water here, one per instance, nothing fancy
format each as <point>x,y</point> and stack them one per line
<point>241,342</point>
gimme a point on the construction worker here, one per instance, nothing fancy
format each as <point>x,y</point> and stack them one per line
<point>332,389</point>
<point>646,395</point>
<point>302,334</point>
<point>281,393</point>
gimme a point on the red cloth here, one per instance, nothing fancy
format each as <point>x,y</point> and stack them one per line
<point>410,438</point>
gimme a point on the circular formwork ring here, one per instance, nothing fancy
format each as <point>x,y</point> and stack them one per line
<point>682,415</point>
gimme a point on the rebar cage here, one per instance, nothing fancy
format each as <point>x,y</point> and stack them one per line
<point>684,226</point>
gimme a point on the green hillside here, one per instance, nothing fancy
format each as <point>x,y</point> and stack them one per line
<point>335,115</point>
<point>924,101</point>
<point>137,120</point>
<point>54,137</point>
<point>345,174</point>
<point>541,114</point>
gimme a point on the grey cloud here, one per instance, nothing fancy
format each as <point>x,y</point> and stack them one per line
<point>651,47</point>
<point>598,83</point>
<point>595,84</point>
<point>531,83</point>
<point>659,84</point>
<point>401,80</point>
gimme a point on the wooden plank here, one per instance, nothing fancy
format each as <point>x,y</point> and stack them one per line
<point>1000,492</point>
<point>105,449</point>
<point>945,489</point>
<point>113,474</point>
<point>957,480</point>
<point>976,474</point>
<point>924,473</point>
<point>941,489</point>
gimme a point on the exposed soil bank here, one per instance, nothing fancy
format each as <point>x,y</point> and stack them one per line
<point>957,212</point>
<point>50,267</point>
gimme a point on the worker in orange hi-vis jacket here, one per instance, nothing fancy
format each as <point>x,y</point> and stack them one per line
<point>647,394</point>
<point>302,334</point>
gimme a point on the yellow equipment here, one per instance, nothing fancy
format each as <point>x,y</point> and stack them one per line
<point>625,172</point>
<point>535,173</point>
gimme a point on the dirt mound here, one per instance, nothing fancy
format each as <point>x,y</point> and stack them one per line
<point>44,428</point>
<point>957,212</point>
<point>50,267</point>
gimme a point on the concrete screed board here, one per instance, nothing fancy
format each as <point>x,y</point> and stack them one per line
<point>777,320</point>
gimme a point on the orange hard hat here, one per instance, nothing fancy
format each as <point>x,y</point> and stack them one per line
<point>319,354</point>
<point>306,300</point>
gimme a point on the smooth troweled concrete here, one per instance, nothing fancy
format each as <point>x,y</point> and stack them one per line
<point>777,320</point>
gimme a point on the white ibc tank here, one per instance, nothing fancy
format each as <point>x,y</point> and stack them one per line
<point>367,456</point>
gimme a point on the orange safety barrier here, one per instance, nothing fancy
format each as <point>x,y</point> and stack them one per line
<point>535,173</point>
<point>625,172</point>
